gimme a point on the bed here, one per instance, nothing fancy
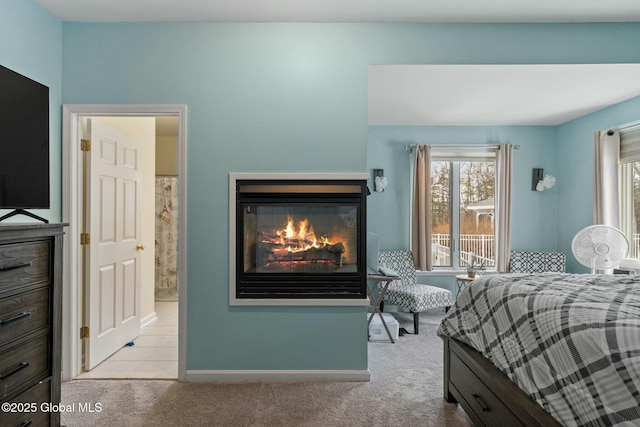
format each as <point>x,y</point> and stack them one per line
<point>545,349</point>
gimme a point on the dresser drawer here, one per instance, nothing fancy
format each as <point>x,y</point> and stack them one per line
<point>25,409</point>
<point>482,401</point>
<point>23,264</point>
<point>23,363</point>
<point>23,313</point>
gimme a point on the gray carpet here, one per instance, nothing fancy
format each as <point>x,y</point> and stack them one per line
<point>405,390</point>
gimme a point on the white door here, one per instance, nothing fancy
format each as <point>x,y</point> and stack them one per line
<point>112,219</point>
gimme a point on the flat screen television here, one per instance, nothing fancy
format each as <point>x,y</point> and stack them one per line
<point>24,144</point>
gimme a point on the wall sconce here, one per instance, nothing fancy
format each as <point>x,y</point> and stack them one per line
<point>540,181</point>
<point>379,180</point>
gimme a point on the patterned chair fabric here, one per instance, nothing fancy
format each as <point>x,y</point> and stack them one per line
<point>537,262</point>
<point>406,293</point>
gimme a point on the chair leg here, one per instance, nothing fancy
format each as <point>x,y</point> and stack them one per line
<point>381,306</point>
<point>416,321</point>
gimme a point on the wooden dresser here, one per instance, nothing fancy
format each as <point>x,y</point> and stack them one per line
<point>30,323</point>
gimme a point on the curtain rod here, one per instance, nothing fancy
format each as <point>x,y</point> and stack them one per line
<point>628,127</point>
<point>410,147</point>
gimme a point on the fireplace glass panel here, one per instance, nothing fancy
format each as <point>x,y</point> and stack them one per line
<point>300,239</point>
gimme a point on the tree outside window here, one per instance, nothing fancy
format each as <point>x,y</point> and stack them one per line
<point>462,215</point>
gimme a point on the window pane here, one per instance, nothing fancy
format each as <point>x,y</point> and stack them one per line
<point>477,209</point>
<point>634,251</point>
<point>441,213</point>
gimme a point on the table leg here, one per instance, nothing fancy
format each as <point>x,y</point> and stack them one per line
<point>461,284</point>
<point>376,308</point>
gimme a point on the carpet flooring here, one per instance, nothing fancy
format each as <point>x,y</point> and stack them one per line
<point>405,390</point>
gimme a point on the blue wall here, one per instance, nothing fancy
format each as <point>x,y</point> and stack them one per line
<point>575,147</point>
<point>291,98</point>
<point>541,221</point>
<point>279,97</point>
<point>260,98</point>
<point>534,214</point>
<point>31,44</point>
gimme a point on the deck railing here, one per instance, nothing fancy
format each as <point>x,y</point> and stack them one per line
<point>482,245</point>
<point>634,250</point>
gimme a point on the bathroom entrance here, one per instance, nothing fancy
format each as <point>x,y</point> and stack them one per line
<point>154,352</point>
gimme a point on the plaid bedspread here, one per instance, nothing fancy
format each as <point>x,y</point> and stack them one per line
<point>570,341</point>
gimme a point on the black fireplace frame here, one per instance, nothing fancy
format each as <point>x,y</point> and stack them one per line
<point>321,192</point>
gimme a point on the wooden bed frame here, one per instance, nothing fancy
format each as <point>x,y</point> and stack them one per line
<point>487,395</point>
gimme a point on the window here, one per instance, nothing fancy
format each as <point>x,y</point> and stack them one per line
<point>629,187</point>
<point>634,211</point>
<point>462,209</point>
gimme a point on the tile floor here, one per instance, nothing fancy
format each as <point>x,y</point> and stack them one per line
<point>154,354</point>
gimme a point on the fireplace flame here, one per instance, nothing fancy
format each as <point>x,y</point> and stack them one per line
<point>296,245</point>
<point>298,239</point>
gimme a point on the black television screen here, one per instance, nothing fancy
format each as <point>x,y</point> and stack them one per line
<point>24,142</point>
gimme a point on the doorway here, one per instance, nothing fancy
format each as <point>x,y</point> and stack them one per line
<point>167,314</point>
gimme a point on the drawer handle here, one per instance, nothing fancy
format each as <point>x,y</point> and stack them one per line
<point>14,318</point>
<point>26,423</point>
<point>15,267</point>
<point>18,368</point>
<point>483,405</point>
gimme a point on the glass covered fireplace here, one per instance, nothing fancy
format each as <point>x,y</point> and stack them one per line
<point>300,239</point>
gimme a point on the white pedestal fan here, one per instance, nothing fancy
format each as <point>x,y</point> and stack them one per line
<point>600,247</point>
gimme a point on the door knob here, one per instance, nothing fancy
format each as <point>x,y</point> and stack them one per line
<point>140,247</point>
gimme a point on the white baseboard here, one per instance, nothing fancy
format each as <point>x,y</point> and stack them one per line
<point>276,375</point>
<point>145,321</point>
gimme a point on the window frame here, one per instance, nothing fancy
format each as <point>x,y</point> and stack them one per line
<point>455,157</point>
<point>629,155</point>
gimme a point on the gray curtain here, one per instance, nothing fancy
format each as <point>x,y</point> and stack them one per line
<point>421,209</point>
<point>166,225</point>
<point>504,166</point>
<point>607,157</point>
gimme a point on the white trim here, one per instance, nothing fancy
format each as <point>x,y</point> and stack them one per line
<point>72,214</point>
<point>148,319</point>
<point>297,302</point>
<point>235,176</point>
<point>277,375</point>
<point>297,176</point>
<point>448,271</point>
<point>443,273</point>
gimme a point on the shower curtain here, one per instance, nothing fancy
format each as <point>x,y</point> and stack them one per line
<point>166,251</point>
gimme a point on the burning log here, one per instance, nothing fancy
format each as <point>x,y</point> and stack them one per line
<point>274,256</point>
<point>337,248</point>
<point>296,244</point>
<point>286,250</point>
<point>310,255</point>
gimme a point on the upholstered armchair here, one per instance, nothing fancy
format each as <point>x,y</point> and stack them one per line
<point>405,293</point>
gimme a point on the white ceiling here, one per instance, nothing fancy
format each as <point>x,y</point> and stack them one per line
<point>346,10</point>
<point>467,95</point>
<point>426,95</point>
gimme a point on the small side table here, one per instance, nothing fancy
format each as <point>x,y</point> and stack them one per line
<point>462,281</point>
<point>375,302</point>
